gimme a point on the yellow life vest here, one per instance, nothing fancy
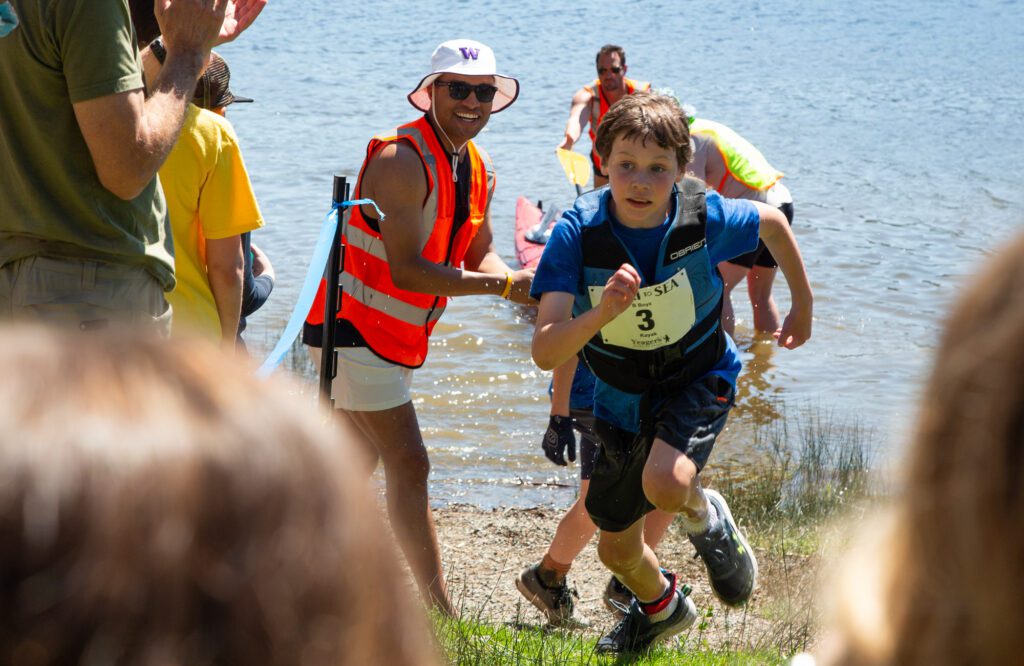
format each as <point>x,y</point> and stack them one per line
<point>743,161</point>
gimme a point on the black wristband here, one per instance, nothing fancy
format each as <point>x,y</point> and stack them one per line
<point>156,47</point>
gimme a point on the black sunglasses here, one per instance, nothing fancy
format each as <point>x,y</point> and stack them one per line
<point>613,70</point>
<point>458,90</point>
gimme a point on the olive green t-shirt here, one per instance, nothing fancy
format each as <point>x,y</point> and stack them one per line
<point>52,204</point>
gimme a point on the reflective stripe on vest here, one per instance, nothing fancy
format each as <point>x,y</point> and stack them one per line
<point>396,323</point>
<point>385,304</point>
<point>743,162</point>
<point>684,247</point>
<point>599,106</point>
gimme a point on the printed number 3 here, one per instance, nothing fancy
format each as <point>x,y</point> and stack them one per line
<point>647,320</point>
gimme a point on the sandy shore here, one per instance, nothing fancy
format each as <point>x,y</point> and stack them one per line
<point>484,550</point>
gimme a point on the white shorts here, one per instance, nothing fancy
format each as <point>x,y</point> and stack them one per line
<point>365,382</point>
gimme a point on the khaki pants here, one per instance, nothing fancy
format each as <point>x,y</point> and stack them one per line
<point>82,294</point>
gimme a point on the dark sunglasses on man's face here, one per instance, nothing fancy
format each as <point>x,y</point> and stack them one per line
<point>613,70</point>
<point>458,90</point>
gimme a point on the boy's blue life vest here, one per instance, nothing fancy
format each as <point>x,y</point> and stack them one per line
<point>670,336</point>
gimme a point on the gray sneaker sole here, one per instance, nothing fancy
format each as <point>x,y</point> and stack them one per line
<point>685,622</point>
<point>743,540</point>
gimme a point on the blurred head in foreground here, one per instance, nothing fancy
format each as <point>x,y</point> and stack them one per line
<point>940,581</point>
<point>158,505</point>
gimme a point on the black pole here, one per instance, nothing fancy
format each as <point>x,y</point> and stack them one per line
<point>332,302</point>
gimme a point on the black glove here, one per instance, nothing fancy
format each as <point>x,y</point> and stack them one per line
<point>558,439</point>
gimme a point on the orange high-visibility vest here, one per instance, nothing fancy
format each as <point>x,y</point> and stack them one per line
<point>599,106</point>
<point>395,323</point>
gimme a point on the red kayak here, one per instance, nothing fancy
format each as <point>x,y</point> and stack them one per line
<point>533,226</point>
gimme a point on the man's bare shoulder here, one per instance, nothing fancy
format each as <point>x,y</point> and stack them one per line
<point>583,96</point>
<point>396,170</point>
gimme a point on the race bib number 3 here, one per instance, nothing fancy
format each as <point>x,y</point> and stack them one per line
<point>659,315</point>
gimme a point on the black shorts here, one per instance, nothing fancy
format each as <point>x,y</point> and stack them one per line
<point>761,256</point>
<point>689,422</point>
<point>583,423</point>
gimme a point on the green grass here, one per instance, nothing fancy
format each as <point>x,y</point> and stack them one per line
<point>468,642</point>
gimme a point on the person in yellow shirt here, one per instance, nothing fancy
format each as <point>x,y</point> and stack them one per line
<point>211,205</point>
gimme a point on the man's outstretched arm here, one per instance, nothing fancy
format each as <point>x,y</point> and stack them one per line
<point>395,180</point>
<point>579,116</point>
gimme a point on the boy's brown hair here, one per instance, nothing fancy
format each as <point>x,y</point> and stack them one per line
<point>647,117</point>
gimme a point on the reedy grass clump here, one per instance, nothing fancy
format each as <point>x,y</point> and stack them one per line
<point>810,468</point>
<point>813,470</point>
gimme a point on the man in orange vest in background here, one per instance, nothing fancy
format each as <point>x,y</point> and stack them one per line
<point>591,102</point>
<point>430,239</point>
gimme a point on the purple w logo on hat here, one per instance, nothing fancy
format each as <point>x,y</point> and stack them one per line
<point>464,57</point>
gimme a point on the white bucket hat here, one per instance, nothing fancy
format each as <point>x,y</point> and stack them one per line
<point>469,58</point>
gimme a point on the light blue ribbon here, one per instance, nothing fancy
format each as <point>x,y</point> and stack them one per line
<point>321,253</point>
<point>8,19</point>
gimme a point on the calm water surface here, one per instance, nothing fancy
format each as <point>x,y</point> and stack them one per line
<point>899,126</point>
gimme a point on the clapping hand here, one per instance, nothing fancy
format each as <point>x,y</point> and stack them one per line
<point>239,15</point>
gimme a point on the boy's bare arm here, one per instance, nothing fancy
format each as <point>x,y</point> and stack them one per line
<point>561,387</point>
<point>778,237</point>
<point>558,337</point>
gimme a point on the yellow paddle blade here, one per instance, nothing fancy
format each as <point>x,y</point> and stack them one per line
<point>577,167</point>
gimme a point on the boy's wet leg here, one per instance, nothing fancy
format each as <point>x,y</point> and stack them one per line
<point>617,596</point>
<point>759,287</point>
<point>671,483</point>
<point>632,561</point>
<point>659,608</point>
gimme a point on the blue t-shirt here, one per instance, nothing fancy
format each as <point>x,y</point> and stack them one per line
<point>582,394</point>
<point>732,230</point>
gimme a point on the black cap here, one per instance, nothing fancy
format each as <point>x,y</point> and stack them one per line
<point>212,90</point>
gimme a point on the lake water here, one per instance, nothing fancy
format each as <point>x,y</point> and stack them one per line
<point>898,125</point>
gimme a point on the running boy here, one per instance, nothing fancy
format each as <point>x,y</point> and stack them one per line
<point>544,584</point>
<point>629,279</point>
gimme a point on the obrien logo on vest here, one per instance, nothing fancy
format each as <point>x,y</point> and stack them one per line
<point>687,250</point>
